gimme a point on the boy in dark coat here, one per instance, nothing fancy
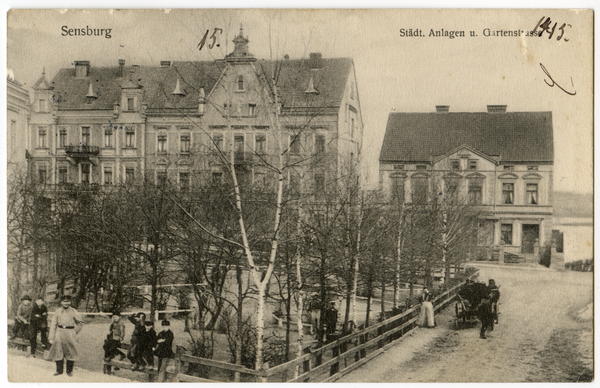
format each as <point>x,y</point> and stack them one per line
<point>21,326</point>
<point>39,323</point>
<point>147,341</point>
<point>114,338</point>
<point>164,349</point>
<point>134,354</point>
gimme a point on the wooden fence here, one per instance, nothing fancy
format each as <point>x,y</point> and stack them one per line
<point>324,364</point>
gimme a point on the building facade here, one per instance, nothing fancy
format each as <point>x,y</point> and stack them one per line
<point>177,121</point>
<point>499,161</point>
<point>16,123</point>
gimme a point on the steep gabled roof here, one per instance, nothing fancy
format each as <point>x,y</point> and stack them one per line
<point>511,136</point>
<point>159,82</point>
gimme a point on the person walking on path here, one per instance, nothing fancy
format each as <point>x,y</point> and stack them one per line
<point>147,342</point>
<point>114,338</point>
<point>494,292</point>
<point>486,316</point>
<point>426,318</point>
<point>21,325</point>
<point>164,349</point>
<point>39,323</point>
<point>66,324</point>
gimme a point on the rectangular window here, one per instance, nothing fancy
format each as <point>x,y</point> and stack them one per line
<point>85,135</point>
<point>108,138</point>
<point>472,165</point>
<point>319,182</point>
<point>398,167</point>
<point>421,167</point>
<point>420,188</point>
<point>532,193</point>
<point>85,173</point>
<point>475,192</point>
<point>456,165</point>
<point>162,143</point>
<point>185,143</point>
<point>108,178</point>
<point>218,141</point>
<point>238,147</point>
<point>509,168</point>
<point>532,168</point>
<point>217,177</point>
<point>452,189</point>
<point>42,138</point>
<point>320,143</point>
<point>129,175</point>
<point>398,190</point>
<point>508,193</point>
<point>261,143</point>
<point>184,181</point>
<point>130,138</point>
<point>161,178</point>
<point>130,104</point>
<point>251,110</point>
<point>63,175</point>
<point>42,175</point>
<point>506,234</point>
<point>62,138</point>
<point>294,144</point>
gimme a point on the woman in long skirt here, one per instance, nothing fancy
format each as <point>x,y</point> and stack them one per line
<point>426,319</point>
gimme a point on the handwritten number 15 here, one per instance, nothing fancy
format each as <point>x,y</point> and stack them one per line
<point>213,37</point>
<point>545,26</point>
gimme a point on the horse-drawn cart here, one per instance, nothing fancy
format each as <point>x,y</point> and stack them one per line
<point>467,304</point>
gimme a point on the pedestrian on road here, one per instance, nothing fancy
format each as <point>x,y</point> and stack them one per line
<point>164,349</point>
<point>114,338</point>
<point>426,318</point>
<point>21,326</point>
<point>147,341</point>
<point>494,292</point>
<point>39,323</point>
<point>66,324</point>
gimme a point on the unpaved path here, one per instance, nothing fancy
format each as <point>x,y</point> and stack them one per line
<point>545,335</point>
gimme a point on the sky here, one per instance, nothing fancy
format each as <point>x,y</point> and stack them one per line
<point>394,73</point>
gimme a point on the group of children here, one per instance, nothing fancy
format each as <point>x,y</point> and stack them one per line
<point>31,319</point>
<point>144,345</point>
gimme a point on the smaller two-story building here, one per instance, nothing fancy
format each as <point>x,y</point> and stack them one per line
<point>499,161</point>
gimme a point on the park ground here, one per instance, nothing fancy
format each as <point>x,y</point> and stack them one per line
<point>545,334</point>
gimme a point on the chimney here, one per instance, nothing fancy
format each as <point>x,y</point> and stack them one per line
<point>82,69</point>
<point>496,108</point>
<point>442,108</point>
<point>165,63</point>
<point>121,67</point>
<point>315,61</point>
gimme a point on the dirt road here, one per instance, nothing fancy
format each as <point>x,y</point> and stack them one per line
<point>544,335</point>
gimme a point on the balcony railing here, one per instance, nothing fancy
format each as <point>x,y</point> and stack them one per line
<point>82,150</point>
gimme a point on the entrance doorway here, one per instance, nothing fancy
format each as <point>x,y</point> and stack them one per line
<point>531,233</point>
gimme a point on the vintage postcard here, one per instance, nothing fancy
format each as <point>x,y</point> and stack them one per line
<point>253,195</point>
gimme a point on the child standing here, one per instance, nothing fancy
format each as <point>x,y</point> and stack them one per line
<point>164,349</point>
<point>114,338</point>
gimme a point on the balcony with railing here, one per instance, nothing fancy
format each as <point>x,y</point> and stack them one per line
<point>82,151</point>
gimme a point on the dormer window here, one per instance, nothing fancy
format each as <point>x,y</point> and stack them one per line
<point>130,104</point>
<point>472,165</point>
<point>456,165</point>
<point>251,110</point>
<point>240,83</point>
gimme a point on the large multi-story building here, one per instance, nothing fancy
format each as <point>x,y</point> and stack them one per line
<point>16,123</point>
<point>499,161</point>
<point>105,125</point>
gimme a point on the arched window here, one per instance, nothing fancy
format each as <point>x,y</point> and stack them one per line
<point>240,82</point>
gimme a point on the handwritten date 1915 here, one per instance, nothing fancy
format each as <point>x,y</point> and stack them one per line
<point>544,25</point>
<point>213,37</point>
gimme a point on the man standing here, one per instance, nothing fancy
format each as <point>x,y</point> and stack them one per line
<point>330,319</point>
<point>39,323</point>
<point>494,292</point>
<point>164,349</point>
<point>21,326</point>
<point>66,324</point>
